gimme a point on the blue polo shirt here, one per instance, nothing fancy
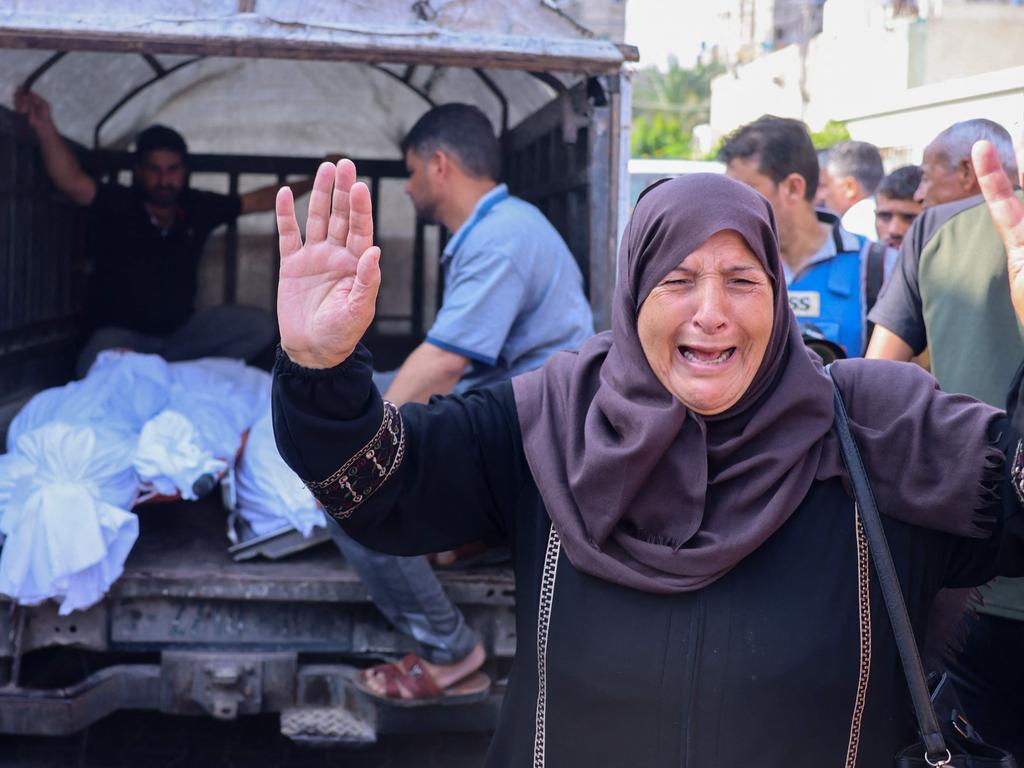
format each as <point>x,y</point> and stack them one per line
<point>513,294</point>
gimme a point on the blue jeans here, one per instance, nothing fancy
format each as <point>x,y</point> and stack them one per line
<point>408,593</point>
<point>222,331</point>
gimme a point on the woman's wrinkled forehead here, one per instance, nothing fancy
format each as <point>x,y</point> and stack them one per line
<point>726,249</point>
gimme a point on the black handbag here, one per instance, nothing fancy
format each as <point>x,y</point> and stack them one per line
<point>944,741</point>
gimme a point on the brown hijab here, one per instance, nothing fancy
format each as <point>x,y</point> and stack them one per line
<point>647,494</point>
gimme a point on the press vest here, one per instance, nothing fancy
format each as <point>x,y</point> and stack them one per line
<point>829,295</point>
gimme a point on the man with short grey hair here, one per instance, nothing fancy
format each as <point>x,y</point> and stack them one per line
<point>946,171</point>
<point>950,292</point>
<point>850,177</point>
<point>956,238</point>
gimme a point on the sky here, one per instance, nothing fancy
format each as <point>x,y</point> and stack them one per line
<point>662,27</point>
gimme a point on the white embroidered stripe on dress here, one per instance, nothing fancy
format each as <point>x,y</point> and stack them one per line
<point>864,621</point>
<point>544,605</point>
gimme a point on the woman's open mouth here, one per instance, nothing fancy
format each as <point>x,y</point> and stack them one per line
<point>707,356</point>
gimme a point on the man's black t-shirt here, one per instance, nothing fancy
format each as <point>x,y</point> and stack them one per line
<point>144,278</point>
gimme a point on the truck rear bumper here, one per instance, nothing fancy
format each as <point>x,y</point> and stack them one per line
<point>318,702</point>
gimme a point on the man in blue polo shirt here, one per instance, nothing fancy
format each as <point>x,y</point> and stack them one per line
<point>512,291</point>
<point>513,296</point>
<point>833,276</point>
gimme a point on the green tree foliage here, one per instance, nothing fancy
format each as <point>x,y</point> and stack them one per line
<point>831,134</point>
<point>667,105</point>
<point>659,135</point>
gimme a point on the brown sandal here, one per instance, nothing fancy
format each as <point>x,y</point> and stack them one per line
<point>476,554</point>
<point>412,676</point>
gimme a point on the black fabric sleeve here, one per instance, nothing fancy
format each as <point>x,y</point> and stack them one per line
<point>899,303</point>
<point>976,561</point>
<point>1011,552</point>
<point>211,209</point>
<point>423,478</point>
<point>111,199</point>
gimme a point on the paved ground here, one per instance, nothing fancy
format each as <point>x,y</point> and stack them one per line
<point>143,740</point>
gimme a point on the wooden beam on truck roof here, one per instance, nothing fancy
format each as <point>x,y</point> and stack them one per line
<point>253,36</point>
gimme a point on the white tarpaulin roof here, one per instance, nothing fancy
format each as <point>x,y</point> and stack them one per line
<point>254,106</point>
<point>517,34</point>
<point>283,76</point>
<point>290,78</point>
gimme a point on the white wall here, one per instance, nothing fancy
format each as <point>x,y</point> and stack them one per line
<point>897,82</point>
<point>906,123</point>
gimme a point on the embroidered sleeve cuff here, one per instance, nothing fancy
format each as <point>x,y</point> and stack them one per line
<point>365,472</point>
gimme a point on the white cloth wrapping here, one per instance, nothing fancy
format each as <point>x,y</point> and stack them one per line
<point>270,495</point>
<point>171,455</point>
<point>222,398</point>
<point>210,404</point>
<point>63,498</point>
<point>122,391</point>
<point>79,456</point>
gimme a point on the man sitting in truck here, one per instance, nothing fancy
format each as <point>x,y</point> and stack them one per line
<point>145,245</point>
<point>513,296</point>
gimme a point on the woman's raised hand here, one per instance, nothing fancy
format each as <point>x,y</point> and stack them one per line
<point>1008,214</point>
<point>328,286</point>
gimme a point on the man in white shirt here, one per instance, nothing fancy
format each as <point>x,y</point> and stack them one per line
<point>850,178</point>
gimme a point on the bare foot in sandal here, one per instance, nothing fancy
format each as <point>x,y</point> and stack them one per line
<point>413,681</point>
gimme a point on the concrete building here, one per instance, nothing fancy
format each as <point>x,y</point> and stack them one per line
<point>605,18</point>
<point>753,28</point>
<point>895,71</point>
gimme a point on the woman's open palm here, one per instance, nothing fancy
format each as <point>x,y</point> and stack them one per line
<point>1007,212</point>
<point>327,291</point>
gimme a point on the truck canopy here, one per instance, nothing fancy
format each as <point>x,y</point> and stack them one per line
<point>262,89</point>
<point>280,75</point>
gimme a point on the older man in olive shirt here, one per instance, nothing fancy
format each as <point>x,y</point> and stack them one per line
<point>950,293</point>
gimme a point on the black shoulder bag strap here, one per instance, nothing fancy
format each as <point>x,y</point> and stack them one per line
<point>928,724</point>
<point>874,276</point>
<point>874,273</point>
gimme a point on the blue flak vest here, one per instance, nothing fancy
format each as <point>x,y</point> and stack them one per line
<point>830,297</point>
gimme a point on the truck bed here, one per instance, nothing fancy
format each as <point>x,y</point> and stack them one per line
<point>187,630</point>
<point>182,551</point>
<point>181,589</point>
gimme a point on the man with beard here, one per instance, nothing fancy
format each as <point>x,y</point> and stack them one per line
<point>513,296</point>
<point>145,245</point>
<point>512,291</point>
<point>895,205</point>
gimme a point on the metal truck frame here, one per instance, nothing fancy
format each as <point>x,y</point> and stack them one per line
<point>187,630</point>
